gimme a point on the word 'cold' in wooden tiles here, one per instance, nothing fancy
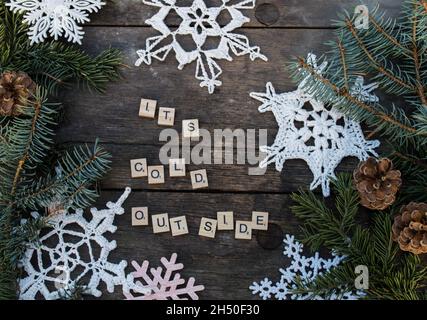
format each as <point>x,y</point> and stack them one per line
<point>140,216</point>
<point>207,228</point>
<point>199,179</point>
<point>178,226</point>
<point>166,117</point>
<point>138,168</point>
<point>225,220</point>
<point>243,230</point>
<point>259,220</point>
<point>156,174</point>
<point>190,128</point>
<point>160,223</point>
<point>177,167</point>
<point>147,108</point>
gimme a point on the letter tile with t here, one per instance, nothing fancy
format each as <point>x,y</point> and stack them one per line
<point>178,226</point>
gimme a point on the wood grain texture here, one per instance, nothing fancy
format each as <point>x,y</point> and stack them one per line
<point>225,266</point>
<point>272,13</point>
<point>283,29</point>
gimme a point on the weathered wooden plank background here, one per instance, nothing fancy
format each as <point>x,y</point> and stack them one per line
<point>283,29</point>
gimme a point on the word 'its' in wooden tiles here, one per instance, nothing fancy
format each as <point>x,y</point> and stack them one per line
<point>190,128</point>
<point>225,220</point>
<point>147,108</point>
<point>243,230</point>
<point>178,226</point>
<point>160,223</point>
<point>156,174</point>
<point>177,167</point>
<point>207,228</point>
<point>140,216</point>
<point>138,168</point>
<point>199,179</point>
<point>259,220</point>
<point>166,117</point>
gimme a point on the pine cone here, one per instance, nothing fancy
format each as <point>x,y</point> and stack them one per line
<point>410,228</point>
<point>377,183</point>
<point>15,89</point>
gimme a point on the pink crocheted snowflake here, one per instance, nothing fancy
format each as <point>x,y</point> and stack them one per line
<point>163,283</point>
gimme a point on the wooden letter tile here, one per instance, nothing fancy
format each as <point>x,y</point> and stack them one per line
<point>243,230</point>
<point>178,226</point>
<point>190,128</point>
<point>166,117</point>
<point>199,179</point>
<point>138,168</point>
<point>156,174</point>
<point>140,216</point>
<point>177,167</point>
<point>160,223</point>
<point>147,108</point>
<point>207,228</point>
<point>259,220</point>
<point>225,220</point>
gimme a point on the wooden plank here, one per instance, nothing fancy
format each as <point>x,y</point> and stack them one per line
<point>220,264</point>
<point>113,117</point>
<point>222,178</point>
<point>273,13</point>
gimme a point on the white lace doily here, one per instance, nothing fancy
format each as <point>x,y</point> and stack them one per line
<point>200,22</point>
<point>56,265</point>
<point>57,18</point>
<point>309,130</point>
<point>301,268</point>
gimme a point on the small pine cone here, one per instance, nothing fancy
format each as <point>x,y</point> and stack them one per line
<point>410,228</point>
<point>377,183</point>
<point>15,89</point>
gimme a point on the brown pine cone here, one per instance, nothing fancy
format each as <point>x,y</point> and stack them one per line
<point>377,183</point>
<point>410,228</point>
<point>15,89</point>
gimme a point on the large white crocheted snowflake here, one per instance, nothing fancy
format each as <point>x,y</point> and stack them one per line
<point>55,17</point>
<point>304,269</point>
<point>75,252</point>
<point>309,130</point>
<point>201,23</point>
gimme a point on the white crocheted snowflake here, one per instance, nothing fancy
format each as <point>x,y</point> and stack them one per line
<point>163,283</point>
<point>199,22</point>
<point>75,252</point>
<point>303,269</point>
<point>309,130</point>
<point>58,18</point>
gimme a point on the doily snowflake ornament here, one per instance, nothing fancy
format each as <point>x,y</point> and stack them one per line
<point>75,250</point>
<point>161,284</point>
<point>308,130</point>
<point>302,268</point>
<point>200,22</point>
<point>58,18</point>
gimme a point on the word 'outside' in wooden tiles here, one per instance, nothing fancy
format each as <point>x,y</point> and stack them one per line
<point>177,167</point>
<point>147,108</point>
<point>140,216</point>
<point>178,226</point>
<point>156,174</point>
<point>160,223</point>
<point>207,228</point>
<point>166,117</point>
<point>225,220</point>
<point>243,230</point>
<point>259,220</point>
<point>138,168</point>
<point>190,128</point>
<point>199,179</point>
